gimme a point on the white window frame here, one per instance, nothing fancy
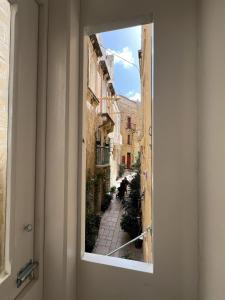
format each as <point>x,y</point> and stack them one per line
<point>84,256</point>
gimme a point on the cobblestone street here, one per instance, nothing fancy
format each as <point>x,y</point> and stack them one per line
<point>111,236</point>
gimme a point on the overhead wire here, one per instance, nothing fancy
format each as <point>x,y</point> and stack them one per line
<point>129,62</point>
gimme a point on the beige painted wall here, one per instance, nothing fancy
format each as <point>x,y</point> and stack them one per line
<point>211,145</point>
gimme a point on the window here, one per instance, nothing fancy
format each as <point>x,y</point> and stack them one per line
<point>129,122</point>
<point>113,217</point>
<point>129,139</point>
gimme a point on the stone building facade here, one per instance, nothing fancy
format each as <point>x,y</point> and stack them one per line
<point>145,57</point>
<point>102,122</point>
<point>129,128</point>
<point>115,145</point>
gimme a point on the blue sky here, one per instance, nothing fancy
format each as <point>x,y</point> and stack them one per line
<point>126,43</point>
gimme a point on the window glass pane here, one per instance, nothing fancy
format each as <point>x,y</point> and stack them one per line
<point>118,126</point>
<point>4,82</point>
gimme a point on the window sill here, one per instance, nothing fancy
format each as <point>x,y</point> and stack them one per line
<point>3,277</point>
<point>118,262</point>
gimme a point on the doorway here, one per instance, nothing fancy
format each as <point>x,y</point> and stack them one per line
<point>128,160</point>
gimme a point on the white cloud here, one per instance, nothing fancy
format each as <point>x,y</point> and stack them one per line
<point>134,96</point>
<point>130,93</point>
<point>124,57</point>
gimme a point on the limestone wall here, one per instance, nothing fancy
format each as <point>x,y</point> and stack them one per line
<point>116,141</point>
<point>91,123</point>
<point>146,140</point>
<point>129,108</point>
<point>98,130</point>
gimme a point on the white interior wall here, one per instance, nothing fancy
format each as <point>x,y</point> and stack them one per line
<point>211,115</point>
<point>175,155</point>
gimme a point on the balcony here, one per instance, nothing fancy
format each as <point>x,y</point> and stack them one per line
<point>102,156</point>
<point>105,70</point>
<point>92,97</point>
<point>107,123</point>
<point>96,46</point>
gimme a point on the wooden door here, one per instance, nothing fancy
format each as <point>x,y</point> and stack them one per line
<point>128,160</point>
<point>21,144</point>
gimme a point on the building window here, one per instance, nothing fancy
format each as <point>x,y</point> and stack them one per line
<point>129,122</point>
<point>114,166</point>
<point>129,139</point>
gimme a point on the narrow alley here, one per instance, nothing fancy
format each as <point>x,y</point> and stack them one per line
<point>111,236</point>
<point>117,139</point>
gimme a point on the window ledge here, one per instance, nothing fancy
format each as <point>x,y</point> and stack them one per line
<point>3,277</point>
<point>118,262</point>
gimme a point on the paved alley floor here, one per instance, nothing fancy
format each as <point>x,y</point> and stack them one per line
<point>111,236</point>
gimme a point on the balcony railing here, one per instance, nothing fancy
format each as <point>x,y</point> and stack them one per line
<point>102,155</point>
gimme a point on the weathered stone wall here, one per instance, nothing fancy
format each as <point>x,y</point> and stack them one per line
<point>97,102</point>
<point>92,108</point>
<point>4,75</point>
<point>146,141</point>
<point>91,124</point>
<point>116,140</point>
<point>129,108</point>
